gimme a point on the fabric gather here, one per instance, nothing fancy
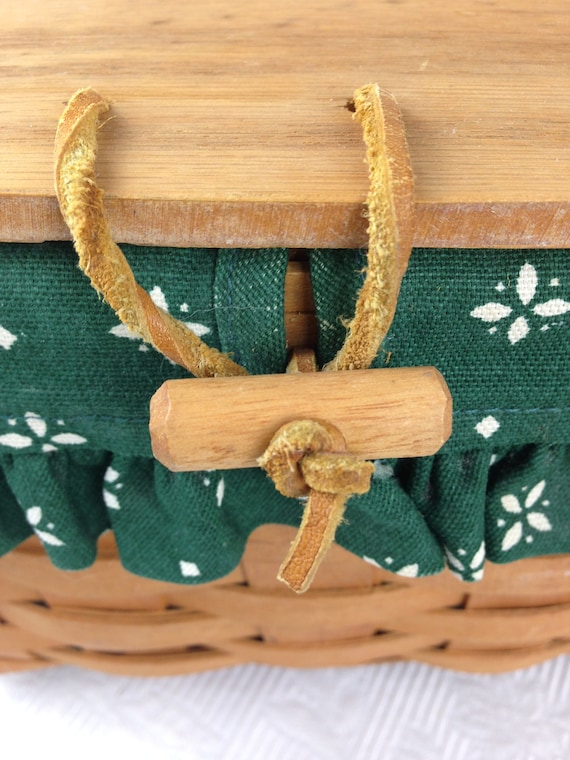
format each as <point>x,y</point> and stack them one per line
<point>75,457</point>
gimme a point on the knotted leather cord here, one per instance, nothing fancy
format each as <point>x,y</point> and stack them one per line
<point>309,458</point>
<point>304,457</point>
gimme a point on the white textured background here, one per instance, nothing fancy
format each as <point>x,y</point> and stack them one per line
<point>407,711</point>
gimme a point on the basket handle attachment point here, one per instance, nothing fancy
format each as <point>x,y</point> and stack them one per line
<point>384,413</point>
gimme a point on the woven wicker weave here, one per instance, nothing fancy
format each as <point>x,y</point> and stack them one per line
<point>107,619</point>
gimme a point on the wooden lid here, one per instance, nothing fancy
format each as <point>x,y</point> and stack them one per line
<point>230,126</point>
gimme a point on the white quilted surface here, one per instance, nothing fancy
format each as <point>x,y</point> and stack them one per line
<point>403,712</point>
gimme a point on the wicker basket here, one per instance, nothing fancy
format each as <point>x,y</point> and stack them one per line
<point>106,619</point>
<point>489,175</point>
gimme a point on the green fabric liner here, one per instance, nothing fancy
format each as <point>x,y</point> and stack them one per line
<point>75,457</point>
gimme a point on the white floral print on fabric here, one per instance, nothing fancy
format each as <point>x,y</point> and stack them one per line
<point>467,569</point>
<point>407,571</point>
<point>220,491</point>
<point>525,522</point>
<point>220,485</point>
<point>38,427</point>
<point>488,426</point>
<point>158,298</point>
<point>7,339</point>
<point>520,327</point>
<point>111,488</point>
<point>189,569</point>
<point>34,516</point>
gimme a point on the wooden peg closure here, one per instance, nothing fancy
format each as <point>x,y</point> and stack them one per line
<point>228,422</point>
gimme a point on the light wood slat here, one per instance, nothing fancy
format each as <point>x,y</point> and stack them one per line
<point>16,643</point>
<point>347,652</point>
<point>491,627</point>
<point>152,665</point>
<point>121,631</point>
<point>359,608</point>
<point>491,661</point>
<point>9,665</point>
<point>301,326</point>
<point>230,124</point>
<point>435,620</point>
<point>105,585</point>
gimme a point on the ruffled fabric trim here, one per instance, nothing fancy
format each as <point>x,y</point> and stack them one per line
<point>420,515</point>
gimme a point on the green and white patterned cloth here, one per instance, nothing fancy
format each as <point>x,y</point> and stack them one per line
<point>75,457</point>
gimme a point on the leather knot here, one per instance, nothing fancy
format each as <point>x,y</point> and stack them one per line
<point>307,457</point>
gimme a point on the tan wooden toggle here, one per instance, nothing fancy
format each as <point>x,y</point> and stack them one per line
<point>228,422</point>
